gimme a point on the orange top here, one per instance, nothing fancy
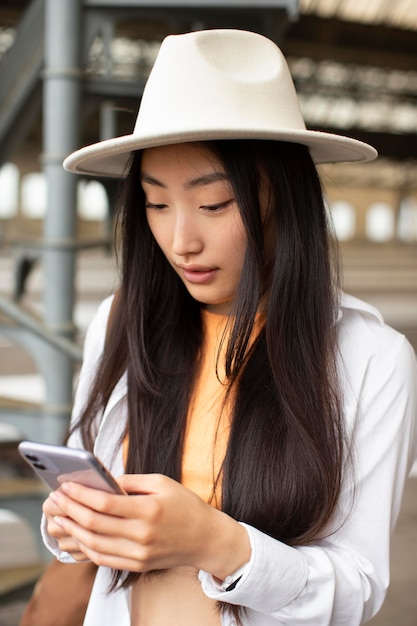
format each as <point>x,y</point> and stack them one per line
<point>208,421</point>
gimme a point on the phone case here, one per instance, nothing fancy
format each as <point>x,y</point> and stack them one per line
<point>58,464</point>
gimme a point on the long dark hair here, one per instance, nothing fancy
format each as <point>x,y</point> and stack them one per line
<point>283,466</point>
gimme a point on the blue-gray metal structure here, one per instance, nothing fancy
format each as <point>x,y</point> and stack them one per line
<point>62,77</point>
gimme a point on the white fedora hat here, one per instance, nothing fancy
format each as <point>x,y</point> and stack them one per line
<point>216,84</point>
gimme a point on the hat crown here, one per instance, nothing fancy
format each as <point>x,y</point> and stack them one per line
<point>214,85</point>
<point>219,80</point>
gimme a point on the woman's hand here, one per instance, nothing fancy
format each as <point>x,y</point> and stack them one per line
<point>160,525</point>
<point>65,542</point>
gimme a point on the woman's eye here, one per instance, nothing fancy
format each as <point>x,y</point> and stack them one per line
<point>157,207</point>
<point>218,206</point>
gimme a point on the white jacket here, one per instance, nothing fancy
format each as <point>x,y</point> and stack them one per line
<point>342,579</point>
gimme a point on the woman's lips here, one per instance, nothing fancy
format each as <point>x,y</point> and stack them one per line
<point>198,275</point>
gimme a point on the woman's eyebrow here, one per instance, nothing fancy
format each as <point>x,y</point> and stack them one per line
<point>199,181</point>
<point>147,178</point>
<point>206,179</point>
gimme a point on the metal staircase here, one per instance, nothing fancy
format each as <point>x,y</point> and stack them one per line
<point>20,80</point>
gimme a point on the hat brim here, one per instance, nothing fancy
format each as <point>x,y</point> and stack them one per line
<point>110,158</point>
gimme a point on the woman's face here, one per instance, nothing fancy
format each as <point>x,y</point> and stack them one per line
<point>194,217</point>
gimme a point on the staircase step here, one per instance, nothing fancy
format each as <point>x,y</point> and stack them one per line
<point>20,406</point>
<point>18,487</point>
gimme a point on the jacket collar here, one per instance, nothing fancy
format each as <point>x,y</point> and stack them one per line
<point>348,302</point>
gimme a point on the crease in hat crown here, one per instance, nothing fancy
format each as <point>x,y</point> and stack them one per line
<point>216,84</point>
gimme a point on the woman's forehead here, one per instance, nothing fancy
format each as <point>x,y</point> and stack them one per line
<point>194,162</point>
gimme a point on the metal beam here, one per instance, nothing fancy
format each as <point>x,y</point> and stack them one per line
<point>25,320</point>
<point>61,108</point>
<point>290,5</point>
<point>349,42</point>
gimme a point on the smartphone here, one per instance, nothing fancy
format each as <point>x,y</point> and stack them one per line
<point>58,464</point>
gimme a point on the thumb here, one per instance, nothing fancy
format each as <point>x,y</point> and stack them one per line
<point>143,484</point>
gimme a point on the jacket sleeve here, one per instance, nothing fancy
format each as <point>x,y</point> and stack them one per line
<point>93,348</point>
<point>342,579</point>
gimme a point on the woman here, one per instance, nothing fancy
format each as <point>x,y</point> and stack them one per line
<point>262,422</point>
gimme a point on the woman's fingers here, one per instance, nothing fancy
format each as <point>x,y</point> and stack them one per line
<point>51,510</point>
<point>66,543</point>
<point>161,525</point>
<point>104,513</point>
<point>70,545</point>
<point>51,505</point>
<point>111,551</point>
<point>95,511</point>
<point>137,532</point>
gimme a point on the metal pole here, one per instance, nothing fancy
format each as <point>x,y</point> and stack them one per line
<point>61,107</point>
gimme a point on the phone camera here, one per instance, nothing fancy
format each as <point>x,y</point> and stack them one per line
<point>39,465</point>
<point>35,461</point>
<point>32,458</point>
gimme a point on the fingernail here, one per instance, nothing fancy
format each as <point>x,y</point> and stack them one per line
<point>54,497</point>
<point>58,520</point>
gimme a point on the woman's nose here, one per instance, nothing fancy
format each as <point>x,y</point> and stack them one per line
<point>187,237</point>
